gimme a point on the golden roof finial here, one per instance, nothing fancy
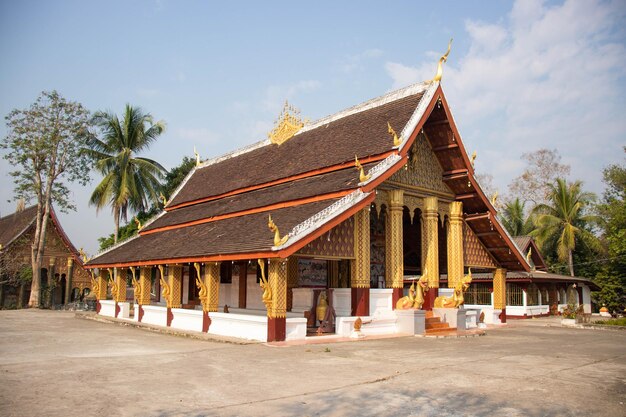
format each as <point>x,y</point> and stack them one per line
<point>473,158</point>
<point>278,241</point>
<point>137,222</point>
<point>362,176</point>
<point>396,140</point>
<point>494,198</point>
<point>197,156</point>
<point>529,254</point>
<point>287,125</point>
<point>444,58</point>
<point>162,199</point>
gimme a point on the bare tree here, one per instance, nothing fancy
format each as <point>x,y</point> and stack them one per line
<point>45,144</point>
<point>544,166</point>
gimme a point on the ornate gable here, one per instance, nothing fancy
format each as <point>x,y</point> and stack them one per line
<point>474,252</point>
<point>423,170</point>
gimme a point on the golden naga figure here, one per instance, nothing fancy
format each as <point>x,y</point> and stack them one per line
<point>278,241</point>
<point>267,291</point>
<point>415,299</point>
<point>473,158</point>
<point>136,286</point>
<point>456,299</point>
<point>528,255</point>
<point>163,199</point>
<point>137,222</point>
<point>444,58</point>
<point>359,167</point>
<point>166,291</point>
<point>114,288</point>
<point>494,198</point>
<point>83,255</point>
<point>95,287</point>
<point>396,139</point>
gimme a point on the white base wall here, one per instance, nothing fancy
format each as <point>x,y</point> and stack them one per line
<point>136,315</point>
<point>296,329</point>
<point>492,315</point>
<point>124,310</point>
<point>185,319</point>
<point>239,325</point>
<point>156,315</point>
<point>383,324</point>
<point>107,308</point>
<point>342,302</point>
<point>381,301</point>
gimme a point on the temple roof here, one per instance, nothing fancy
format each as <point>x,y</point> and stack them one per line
<point>308,184</point>
<point>536,277</point>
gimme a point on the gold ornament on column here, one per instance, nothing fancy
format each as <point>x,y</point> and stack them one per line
<point>136,285</point>
<point>455,244</point>
<point>265,286</point>
<point>415,299</point>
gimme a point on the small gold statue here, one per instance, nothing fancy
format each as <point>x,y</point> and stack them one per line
<point>136,286</point>
<point>456,299</point>
<point>359,167</point>
<point>415,298</point>
<point>278,241</point>
<point>396,140</point>
<point>357,324</point>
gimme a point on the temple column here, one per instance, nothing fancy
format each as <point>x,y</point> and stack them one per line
<point>430,244</point>
<point>51,280</point>
<point>171,288</point>
<point>243,284</point>
<point>120,285</point>
<point>554,303</point>
<point>277,314</point>
<point>499,292</point>
<point>100,290</point>
<point>396,254</point>
<point>210,300</point>
<point>360,280</point>
<point>292,279</point>
<point>455,244</point>
<point>145,284</point>
<point>68,280</point>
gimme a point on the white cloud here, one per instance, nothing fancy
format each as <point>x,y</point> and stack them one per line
<point>548,76</point>
<point>355,62</point>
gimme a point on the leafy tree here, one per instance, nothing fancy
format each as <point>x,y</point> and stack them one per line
<point>45,144</point>
<point>172,180</point>
<point>564,222</point>
<point>534,183</point>
<point>612,277</point>
<point>130,182</point>
<point>514,219</point>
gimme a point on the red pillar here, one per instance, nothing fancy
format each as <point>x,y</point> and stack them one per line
<point>397,294</point>
<point>276,329</point>
<point>360,302</point>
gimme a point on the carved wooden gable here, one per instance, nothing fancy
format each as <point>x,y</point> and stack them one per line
<point>474,252</point>
<point>423,169</point>
<point>336,243</point>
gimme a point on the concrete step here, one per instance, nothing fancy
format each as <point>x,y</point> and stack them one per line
<point>437,326</point>
<point>433,320</point>
<point>442,331</point>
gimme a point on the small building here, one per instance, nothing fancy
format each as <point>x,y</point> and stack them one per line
<point>63,278</point>
<point>531,294</point>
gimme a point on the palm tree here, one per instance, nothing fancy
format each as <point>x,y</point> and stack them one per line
<point>130,182</point>
<point>514,220</point>
<point>562,222</point>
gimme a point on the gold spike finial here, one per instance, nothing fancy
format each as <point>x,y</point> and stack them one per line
<point>473,158</point>
<point>444,58</point>
<point>359,167</point>
<point>278,241</point>
<point>529,254</point>
<point>138,223</point>
<point>396,140</point>
<point>287,125</point>
<point>197,156</point>
<point>494,198</point>
<point>163,199</point>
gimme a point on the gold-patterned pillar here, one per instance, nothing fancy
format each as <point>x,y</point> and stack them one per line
<point>455,244</point>
<point>120,285</point>
<point>292,279</point>
<point>101,285</point>
<point>277,314</point>
<point>360,280</point>
<point>499,292</point>
<point>175,283</point>
<point>145,285</point>
<point>212,282</point>
<point>396,254</point>
<point>388,257</point>
<point>68,280</point>
<point>430,245</point>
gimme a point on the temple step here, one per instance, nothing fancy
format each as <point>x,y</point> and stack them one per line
<point>451,331</point>
<point>437,326</point>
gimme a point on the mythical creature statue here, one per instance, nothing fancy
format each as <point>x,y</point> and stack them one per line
<point>494,198</point>
<point>204,292</point>
<point>136,286</point>
<point>137,222</point>
<point>267,291</point>
<point>444,58</point>
<point>396,140</point>
<point>473,158</point>
<point>95,286</point>
<point>278,241</point>
<point>529,255</point>
<point>83,255</point>
<point>456,299</point>
<point>114,288</point>
<point>359,167</point>
<point>162,199</point>
<point>415,299</point>
<point>166,291</point>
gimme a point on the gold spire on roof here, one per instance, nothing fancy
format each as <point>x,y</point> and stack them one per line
<point>444,58</point>
<point>287,125</point>
<point>278,241</point>
<point>396,140</point>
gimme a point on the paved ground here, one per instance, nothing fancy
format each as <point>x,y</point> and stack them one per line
<point>53,364</point>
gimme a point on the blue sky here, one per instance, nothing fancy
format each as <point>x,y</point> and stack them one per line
<point>521,75</point>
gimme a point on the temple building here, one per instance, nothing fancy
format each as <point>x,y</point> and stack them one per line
<point>364,222</point>
<point>63,278</point>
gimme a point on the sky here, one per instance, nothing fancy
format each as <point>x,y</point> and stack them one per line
<point>521,76</point>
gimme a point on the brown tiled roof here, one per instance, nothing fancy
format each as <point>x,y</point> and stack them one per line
<point>521,242</point>
<point>244,234</point>
<point>342,180</point>
<point>537,277</point>
<point>363,134</point>
<point>15,224</point>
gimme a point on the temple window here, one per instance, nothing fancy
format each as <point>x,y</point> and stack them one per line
<point>532,295</point>
<point>514,295</point>
<point>478,294</point>
<point>226,273</point>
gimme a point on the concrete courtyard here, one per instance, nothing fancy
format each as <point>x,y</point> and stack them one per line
<point>54,364</point>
